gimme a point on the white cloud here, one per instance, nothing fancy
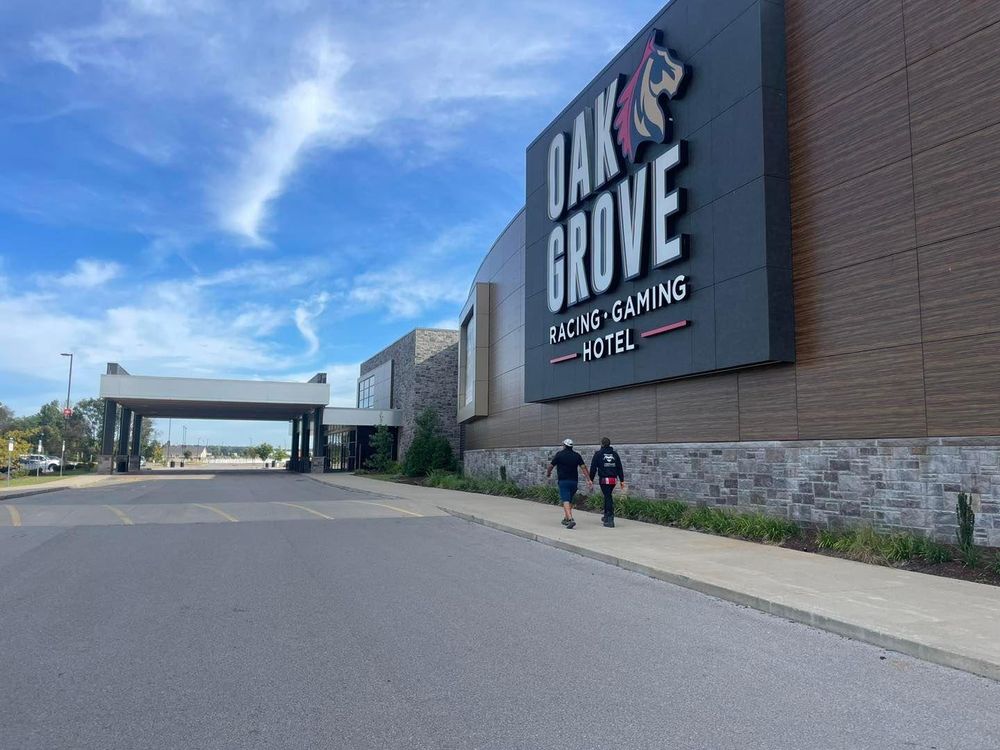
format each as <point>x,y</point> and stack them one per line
<point>277,83</point>
<point>169,329</point>
<point>343,380</point>
<point>88,273</point>
<point>275,275</point>
<point>309,111</point>
<point>305,317</point>
<point>427,276</point>
<point>450,323</point>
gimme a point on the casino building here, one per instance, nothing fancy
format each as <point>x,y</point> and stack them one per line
<point>761,253</point>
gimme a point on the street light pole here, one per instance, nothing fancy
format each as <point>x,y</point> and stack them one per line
<point>69,388</point>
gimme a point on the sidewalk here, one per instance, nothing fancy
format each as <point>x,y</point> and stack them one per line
<point>941,620</point>
<point>85,480</point>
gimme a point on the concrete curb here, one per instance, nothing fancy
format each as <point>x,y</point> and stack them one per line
<point>53,487</point>
<point>29,492</point>
<point>843,628</point>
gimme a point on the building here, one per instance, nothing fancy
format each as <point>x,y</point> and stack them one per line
<point>760,252</point>
<point>197,452</point>
<point>414,373</point>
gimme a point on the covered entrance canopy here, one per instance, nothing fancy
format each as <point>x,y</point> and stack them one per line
<point>129,398</point>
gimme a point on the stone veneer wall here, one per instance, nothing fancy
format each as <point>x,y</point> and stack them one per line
<point>401,352</point>
<point>437,378</point>
<point>424,373</point>
<point>894,484</point>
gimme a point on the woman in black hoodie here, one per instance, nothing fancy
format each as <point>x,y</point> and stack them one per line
<point>606,467</point>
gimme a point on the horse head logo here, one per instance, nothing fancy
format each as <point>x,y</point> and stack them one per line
<point>640,116</point>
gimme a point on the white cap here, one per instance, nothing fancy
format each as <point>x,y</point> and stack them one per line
<point>569,442</point>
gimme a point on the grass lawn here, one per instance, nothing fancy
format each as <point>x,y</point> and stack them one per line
<point>44,478</point>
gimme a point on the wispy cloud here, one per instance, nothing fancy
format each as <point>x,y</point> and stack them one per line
<point>451,322</point>
<point>159,328</point>
<point>274,275</point>
<point>88,273</point>
<point>309,112</point>
<point>276,83</point>
<point>305,317</point>
<point>430,274</point>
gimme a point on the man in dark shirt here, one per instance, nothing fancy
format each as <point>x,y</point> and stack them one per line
<point>606,467</point>
<point>567,462</point>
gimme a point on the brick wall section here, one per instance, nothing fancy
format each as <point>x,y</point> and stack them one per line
<point>424,373</point>
<point>895,485</point>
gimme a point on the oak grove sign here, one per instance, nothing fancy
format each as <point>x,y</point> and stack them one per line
<point>657,220</point>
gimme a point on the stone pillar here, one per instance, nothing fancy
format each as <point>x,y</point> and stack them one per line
<point>304,463</point>
<point>319,442</point>
<point>124,427</point>
<point>133,458</point>
<point>293,458</point>
<point>105,461</point>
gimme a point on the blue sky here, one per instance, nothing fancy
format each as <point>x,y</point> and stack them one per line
<point>263,190</point>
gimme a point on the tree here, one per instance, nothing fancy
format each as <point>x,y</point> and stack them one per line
<point>22,445</point>
<point>147,437</point>
<point>263,451</point>
<point>6,419</point>
<point>83,429</point>
<point>187,455</point>
<point>280,454</point>
<point>381,445</point>
<point>430,450</point>
<point>154,451</point>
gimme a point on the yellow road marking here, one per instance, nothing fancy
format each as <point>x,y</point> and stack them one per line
<point>124,519</point>
<point>307,510</point>
<point>390,507</point>
<point>15,516</point>
<point>216,510</point>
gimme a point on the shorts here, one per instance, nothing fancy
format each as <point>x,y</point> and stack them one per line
<point>567,488</point>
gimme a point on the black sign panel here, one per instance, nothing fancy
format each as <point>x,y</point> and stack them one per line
<point>657,210</point>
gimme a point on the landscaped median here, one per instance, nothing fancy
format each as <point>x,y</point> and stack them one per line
<point>861,543</point>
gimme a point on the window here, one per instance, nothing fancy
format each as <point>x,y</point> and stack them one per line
<point>469,331</point>
<point>366,393</point>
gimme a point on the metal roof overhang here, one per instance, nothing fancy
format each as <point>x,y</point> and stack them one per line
<point>203,398</point>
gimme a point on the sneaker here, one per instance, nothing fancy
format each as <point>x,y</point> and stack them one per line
<point>565,522</point>
<point>570,523</point>
<point>609,522</point>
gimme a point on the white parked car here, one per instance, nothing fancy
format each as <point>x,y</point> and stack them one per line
<point>36,462</point>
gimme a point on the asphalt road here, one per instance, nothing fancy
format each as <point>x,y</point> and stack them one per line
<point>369,625</point>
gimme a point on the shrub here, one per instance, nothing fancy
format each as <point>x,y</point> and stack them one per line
<point>430,449</point>
<point>966,523</point>
<point>932,552</point>
<point>971,557</point>
<point>994,565</point>
<point>866,545</point>
<point>380,442</point>
<point>448,480</point>
<point>545,493</point>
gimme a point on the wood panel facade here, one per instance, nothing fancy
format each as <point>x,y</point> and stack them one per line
<point>894,145</point>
